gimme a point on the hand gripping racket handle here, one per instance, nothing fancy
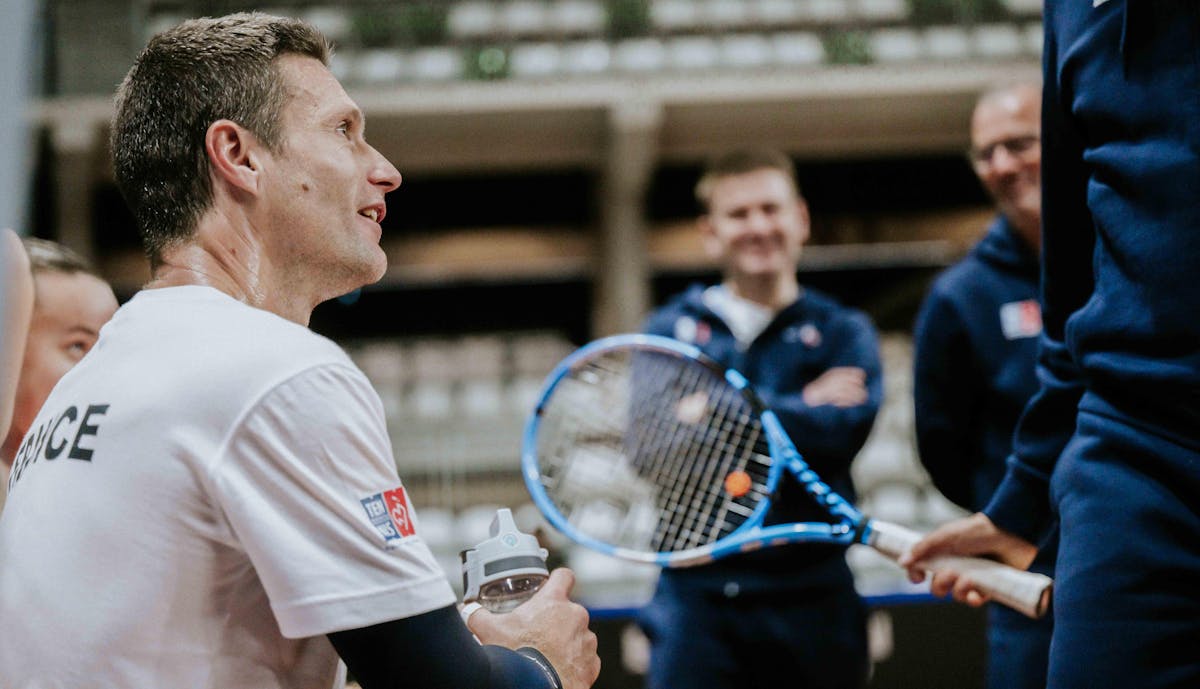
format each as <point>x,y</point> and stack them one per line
<point>1025,592</point>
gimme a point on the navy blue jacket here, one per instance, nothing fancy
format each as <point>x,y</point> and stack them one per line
<point>804,340</point>
<point>1121,245</point>
<point>975,344</point>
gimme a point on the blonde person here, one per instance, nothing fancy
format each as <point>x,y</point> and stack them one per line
<point>70,305</point>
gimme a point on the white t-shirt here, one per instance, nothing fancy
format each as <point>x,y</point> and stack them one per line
<point>746,319</point>
<point>201,499</point>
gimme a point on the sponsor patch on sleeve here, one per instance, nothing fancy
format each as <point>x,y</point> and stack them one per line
<point>391,515</point>
<point>1020,319</point>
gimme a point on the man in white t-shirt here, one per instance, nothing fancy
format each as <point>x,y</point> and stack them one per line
<point>208,499</point>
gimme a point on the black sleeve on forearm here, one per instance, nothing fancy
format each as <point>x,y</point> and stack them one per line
<point>436,651</point>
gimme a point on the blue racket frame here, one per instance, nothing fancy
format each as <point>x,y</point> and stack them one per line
<point>852,526</point>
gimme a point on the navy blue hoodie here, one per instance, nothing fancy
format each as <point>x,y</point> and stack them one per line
<point>975,344</point>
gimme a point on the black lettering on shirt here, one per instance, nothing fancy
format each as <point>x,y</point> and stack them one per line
<point>53,452</point>
<point>30,449</point>
<point>50,439</point>
<point>85,428</point>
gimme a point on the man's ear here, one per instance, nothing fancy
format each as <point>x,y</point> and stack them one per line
<point>234,155</point>
<point>805,219</point>
<point>708,237</point>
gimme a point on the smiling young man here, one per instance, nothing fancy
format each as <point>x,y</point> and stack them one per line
<point>788,613</point>
<point>975,346</point>
<point>210,499</point>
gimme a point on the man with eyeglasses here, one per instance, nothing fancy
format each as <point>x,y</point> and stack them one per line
<point>975,350</point>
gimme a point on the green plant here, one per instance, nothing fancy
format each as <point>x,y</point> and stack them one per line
<point>425,22</point>
<point>628,18</point>
<point>847,48</point>
<point>407,24</point>
<point>486,62</point>
<point>956,11</point>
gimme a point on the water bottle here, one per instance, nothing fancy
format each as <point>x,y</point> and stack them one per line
<point>506,569</point>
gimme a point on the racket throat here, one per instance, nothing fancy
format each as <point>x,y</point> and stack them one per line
<point>860,529</point>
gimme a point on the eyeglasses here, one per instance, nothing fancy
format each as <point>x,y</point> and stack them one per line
<point>1018,147</point>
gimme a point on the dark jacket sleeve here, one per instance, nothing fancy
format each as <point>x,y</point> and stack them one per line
<point>1021,504</point>
<point>827,436</point>
<point>436,651</point>
<point>945,392</point>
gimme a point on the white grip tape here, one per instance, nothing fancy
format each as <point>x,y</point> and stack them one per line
<point>1025,592</point>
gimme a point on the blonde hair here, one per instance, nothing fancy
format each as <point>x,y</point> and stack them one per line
<point>739,162</point>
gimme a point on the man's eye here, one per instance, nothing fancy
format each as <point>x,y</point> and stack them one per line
<point>344,129</point>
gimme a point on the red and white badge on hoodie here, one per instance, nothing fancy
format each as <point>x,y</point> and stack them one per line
<point>1021,319</point>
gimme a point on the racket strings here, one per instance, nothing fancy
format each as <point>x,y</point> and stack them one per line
<point>680,412</point>
<point>635,446</point>
<point>701,519</point>
<point>579,427</point>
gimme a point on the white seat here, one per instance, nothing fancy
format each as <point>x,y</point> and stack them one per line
<point>895,45</point>
<point>797,48</point>
<point>469,20</point>
<point>947,43</point>
<point>436,64</point>
<point>777,12</point>
<point>826,11</point>
<point>379,67</point>
<point>692,52</point>
<point>582,17</point>
<point>745,51</point>
<point>330,20</point>
<point>725,14</point>
<point>524,17</point>
<point>581,58</point>
<point>998,41</point>
<point>882,10</point>
<point>640,55</point>
<point>675,15</point>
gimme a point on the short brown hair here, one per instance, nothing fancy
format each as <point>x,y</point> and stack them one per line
<point>187,78</point>
<point>739,162</point>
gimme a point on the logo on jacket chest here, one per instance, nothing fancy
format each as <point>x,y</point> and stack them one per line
<point>1021,319</point>
<point>692,331</point>
<point>807,335</point>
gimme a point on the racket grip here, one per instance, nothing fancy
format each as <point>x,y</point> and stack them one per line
<point>1023,591</point>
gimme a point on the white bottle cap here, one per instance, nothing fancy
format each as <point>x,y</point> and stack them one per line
<point>508,553</point>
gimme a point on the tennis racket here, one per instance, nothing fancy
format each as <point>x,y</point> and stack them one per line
<point>644,448</point>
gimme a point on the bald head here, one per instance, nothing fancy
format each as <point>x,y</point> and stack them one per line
<point>1012,96</point>
<point>1006,154</point>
